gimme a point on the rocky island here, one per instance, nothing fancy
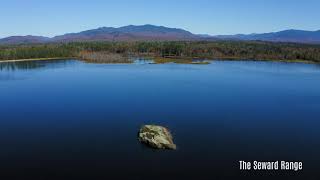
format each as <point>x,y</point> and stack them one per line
<point>157,137</point>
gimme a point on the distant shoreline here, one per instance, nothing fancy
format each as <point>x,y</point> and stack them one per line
<point>179,52</point>
<point>170,59</point>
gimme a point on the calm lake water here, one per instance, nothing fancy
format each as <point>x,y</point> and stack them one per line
<point>71,120</point>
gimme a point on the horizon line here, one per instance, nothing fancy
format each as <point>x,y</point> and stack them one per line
<point>274,31</point>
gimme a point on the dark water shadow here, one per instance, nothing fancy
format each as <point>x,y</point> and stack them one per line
<point>31,65</point>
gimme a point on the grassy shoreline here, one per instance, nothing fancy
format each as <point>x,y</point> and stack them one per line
<point>193,60</point>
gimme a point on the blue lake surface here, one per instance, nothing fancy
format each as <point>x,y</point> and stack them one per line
<point>68,119</point>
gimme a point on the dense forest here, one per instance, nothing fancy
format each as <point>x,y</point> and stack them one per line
<point>210,50</point>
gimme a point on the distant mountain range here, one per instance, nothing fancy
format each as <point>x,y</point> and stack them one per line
<point>161,33</point>
<point>297,36</point>
<point>129,33</point>
<point>24,39</point>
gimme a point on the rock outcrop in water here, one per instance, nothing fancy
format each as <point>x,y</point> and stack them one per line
<point>156,137</point>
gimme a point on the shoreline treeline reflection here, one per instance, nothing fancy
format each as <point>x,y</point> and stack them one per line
<point>30,65</point>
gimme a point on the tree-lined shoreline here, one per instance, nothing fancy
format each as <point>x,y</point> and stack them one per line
<point>224,50</point>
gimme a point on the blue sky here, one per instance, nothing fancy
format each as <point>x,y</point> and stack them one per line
<point>49,18</point>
